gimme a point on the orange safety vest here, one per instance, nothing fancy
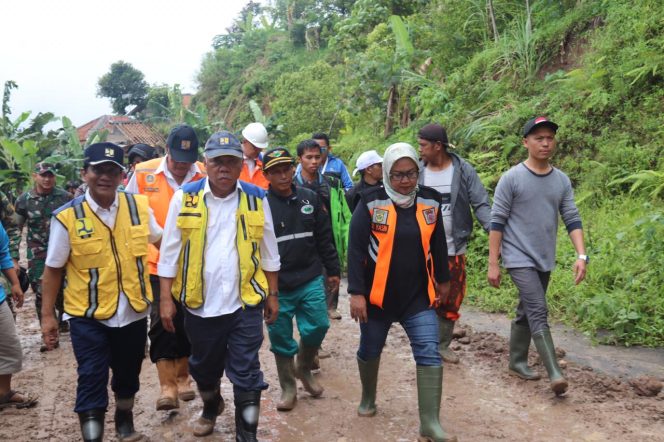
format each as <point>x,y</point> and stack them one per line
<point>383,225</point>
<point>155,186</point>
<point>256,178</point>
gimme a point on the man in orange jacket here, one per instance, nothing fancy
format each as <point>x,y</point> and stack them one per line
<point>254,141</point>
<point>158,179</point>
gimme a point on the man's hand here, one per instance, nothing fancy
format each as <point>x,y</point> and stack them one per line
<point>17,295</point>
<point>167,311</point>
<point>333,283</point>
<point>271,309</point>
<point>49,327</point>
<point>579,271</point>
<point>493,275</point>
<point>442,294</point>
<point>358,308</point>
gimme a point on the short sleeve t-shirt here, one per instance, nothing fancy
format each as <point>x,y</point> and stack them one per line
<point>441,180</point>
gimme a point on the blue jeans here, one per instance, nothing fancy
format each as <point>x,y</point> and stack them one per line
<point>422,331</point>
<point>98,348</point>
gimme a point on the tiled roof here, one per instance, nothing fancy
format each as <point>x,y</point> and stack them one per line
<point>122,130</point>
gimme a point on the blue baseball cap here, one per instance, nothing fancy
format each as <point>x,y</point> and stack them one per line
<point>223,143</point>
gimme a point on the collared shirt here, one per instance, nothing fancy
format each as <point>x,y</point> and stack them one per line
<point>132,185</point>
<point>222,271</point>
<point>59,248</point>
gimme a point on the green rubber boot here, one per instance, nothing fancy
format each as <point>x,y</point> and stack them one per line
<point>519,345</point>
<point>304,365</point>
<point>286,371</point>
<point>547,352</point>
<point>429,395</point>
<point>369,378</point>
<point>445,330</point>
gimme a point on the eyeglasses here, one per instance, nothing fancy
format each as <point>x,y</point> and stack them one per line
<point>401,176</point>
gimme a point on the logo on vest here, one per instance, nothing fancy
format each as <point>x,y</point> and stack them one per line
<point>150,179</point>
<point>191,200</point>
<point>379,216</point>
<point>307,209</point>
<point>429,216</point>
<point>84,227</point>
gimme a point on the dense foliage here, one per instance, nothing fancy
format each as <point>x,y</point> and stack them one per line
<point>373,71</point>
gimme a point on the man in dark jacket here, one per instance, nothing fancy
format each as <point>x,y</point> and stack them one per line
<point>306,245</point>
<point>370,166</point>
<point>461,189</point>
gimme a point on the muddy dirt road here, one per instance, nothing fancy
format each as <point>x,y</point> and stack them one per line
<point>480,401</point>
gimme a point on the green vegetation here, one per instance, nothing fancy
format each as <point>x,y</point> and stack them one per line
<point>371,72</point>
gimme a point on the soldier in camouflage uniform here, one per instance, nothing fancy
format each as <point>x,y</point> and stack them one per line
<point>8,220</point>
<point>34,209</point>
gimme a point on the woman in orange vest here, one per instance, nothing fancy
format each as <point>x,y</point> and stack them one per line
<point>398,272</point>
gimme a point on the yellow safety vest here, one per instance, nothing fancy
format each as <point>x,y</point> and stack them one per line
<point>104,262</point>
<point>189,284</point>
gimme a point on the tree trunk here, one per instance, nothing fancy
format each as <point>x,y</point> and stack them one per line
<point>492,17</point>
<point>391,105</point>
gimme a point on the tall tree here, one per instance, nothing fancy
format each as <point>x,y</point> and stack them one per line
<point>124,85</point>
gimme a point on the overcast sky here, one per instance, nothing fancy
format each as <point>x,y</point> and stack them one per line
<point>57,50</point>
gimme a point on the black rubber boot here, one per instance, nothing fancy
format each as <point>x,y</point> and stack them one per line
<point>369,377</point>
<point>213,406</point>
<point>547,352</point>
<point>247,411</point>
<point>124,420</point>
<point>92,425</point>
<point>519,346</point>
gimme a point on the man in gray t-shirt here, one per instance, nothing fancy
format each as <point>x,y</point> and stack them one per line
<point>461,190</point>
<point>524,226</point>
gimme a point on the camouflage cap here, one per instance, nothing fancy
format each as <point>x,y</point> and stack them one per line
<point>42,168</point>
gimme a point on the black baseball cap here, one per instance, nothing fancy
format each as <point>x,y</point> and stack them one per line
<point>223,143</point>
<point>142,150</point>
<point>434,132</point>
<point>99,153</point>
<point>182,144</point>
<point>276,156</point>
<point>536,122</point>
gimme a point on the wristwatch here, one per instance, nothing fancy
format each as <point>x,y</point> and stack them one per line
<point>586,258</point>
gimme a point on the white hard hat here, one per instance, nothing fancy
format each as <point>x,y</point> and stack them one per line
<point>256,134</point>
<point>366,159</point>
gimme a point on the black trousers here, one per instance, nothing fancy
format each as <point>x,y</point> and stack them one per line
<point>164,344</point>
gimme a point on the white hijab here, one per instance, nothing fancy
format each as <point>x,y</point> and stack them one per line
<point>392,154</point>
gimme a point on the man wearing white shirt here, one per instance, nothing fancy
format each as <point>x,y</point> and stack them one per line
<point>220,259</point>
<point>100,240</point>
<point>158,179</point>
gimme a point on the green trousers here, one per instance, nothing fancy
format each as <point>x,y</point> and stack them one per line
<point>308,305</point>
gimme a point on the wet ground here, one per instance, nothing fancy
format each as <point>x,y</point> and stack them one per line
<point>607,400</point>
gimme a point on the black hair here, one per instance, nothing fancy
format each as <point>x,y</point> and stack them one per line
<point>306,145</point>
<point>321,136</point>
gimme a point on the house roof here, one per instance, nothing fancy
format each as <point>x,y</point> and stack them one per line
<point>121,130</point>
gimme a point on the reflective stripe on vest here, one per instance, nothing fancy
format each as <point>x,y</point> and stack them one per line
<point>105,262</point>
<point>381,242</point>
<point>189,284</point>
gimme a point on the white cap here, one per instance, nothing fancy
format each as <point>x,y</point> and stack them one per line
<point>256,134</point>
<point>366,159</point>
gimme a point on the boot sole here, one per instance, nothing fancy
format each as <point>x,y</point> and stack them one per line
<point>371,413</point>
<point>430,439</point>
<point>284,407</point>
<point>524,377</point>
<point>559,387</point>
<point>166,404</point>
<point>187,396</point>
